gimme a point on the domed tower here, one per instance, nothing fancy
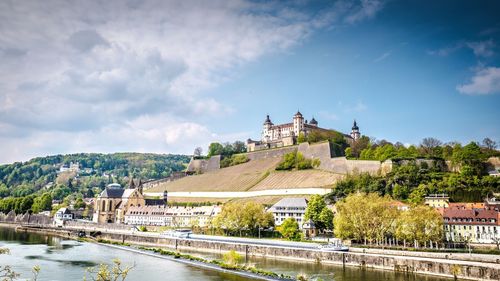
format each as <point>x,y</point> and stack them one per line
<point>313,122</point>
<point>266,130</point>
<point>355,131</point>
<point>298,123</point>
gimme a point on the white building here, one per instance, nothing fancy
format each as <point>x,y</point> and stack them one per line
<point>472,225</point>
<point>72,167</point>
<point>286,134</point>
<point>62,215</point>
<point>289,208</point>
<point>176,217</point>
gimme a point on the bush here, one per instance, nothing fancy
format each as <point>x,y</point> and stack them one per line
<point>233,160</point>
<point>142,228</point>
<point>296,160</point>
<point>232,258</point>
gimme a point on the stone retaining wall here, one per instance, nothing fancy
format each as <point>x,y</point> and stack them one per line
<point>440,267</point>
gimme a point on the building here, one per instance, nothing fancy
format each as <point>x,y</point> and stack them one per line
<point>289,208</point>
<point>471,225</point>
<point>114,201</point>
<point>437,200</point>
<point>286,134</point>
<point>175,217</point>
<point>72,167</point>
<point>62,215</point>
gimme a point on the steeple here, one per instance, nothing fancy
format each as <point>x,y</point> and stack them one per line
<point>131,183</point>
<point>355,126</point>
<point>355,134</point>
<point>313,122</point>
<point>268,120</point>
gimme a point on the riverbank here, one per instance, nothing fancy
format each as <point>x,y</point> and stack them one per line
<point>469,270</point>
<point>247,272</point>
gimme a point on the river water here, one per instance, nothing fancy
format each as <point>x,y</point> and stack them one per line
<point>61,259</point>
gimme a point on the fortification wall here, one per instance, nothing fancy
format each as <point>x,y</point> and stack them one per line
<point>341,165</point>
<point>270,153</point>
<point>204,165</point>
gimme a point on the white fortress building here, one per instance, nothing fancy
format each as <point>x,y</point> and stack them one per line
<point>286,134</point>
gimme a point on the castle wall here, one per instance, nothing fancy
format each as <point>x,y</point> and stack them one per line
<point>341,165</point>
<point>270,153</point>
<point>204,165</point>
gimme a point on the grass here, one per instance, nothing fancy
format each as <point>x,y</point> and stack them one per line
<point>221,264</point>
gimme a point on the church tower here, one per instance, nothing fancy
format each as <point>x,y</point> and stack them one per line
<point>298,123</point>
<point>355,131</point>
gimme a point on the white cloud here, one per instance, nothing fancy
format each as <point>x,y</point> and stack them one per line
<point>485,81</point>
<point>121,75</point>
<point>482,48</point>
<point>382,57</point>
<point>367,9</point>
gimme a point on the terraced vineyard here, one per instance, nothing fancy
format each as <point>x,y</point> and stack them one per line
<point>297,179</point>
<point>236,178</point>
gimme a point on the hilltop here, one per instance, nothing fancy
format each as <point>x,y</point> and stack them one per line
<point>84,173</point>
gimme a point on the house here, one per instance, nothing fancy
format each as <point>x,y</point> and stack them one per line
<point>437,200</point>
<point>176,216</point>
<point>62,215</point>
<point>289,208</point>
<point>471,225</point>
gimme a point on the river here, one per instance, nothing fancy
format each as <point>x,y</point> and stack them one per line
<point>61,259</point>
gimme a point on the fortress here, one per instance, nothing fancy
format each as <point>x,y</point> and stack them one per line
<point>286,134</point>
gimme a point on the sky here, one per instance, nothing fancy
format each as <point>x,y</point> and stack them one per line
<point>168,76</point>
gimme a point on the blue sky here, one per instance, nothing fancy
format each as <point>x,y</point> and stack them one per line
<point>167,76</point>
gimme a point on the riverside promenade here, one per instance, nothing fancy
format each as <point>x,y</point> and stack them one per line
<point>462,266</point>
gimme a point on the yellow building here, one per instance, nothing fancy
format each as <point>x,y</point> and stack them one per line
<point>437,200</point>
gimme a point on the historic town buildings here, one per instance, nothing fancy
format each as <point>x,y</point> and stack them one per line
<point>173,216</point>
<point>114,201</point>
<point>286,134</point>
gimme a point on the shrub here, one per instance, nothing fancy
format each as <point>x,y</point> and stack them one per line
<point>232,258</point>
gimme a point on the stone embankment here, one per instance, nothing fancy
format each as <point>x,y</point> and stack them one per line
<point>421,263</point>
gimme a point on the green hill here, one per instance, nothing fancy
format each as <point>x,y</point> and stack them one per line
<point>95,171</point>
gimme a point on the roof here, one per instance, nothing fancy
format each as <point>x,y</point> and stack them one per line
<point>112,193</point>
<point>64,211</point>
<point>298,114</point>
<point>355,126</point>
<point>313,121</point>
<point>127,193</point>
<point>474,217</point>
<point>290,202</point>
<point>466,206</point>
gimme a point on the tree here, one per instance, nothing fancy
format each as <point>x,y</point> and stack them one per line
<point>236,217</point>
<point>239,147</point>
<point>197,152</point>
<point>429,144</point>
<point>421,224</point>
<point>365,217</point>
<point>301,138</point>
<point>104,273</point>
<point>215,148</point>
<point>289,229</point>
<point>319,213</point>
<point>489,144</point>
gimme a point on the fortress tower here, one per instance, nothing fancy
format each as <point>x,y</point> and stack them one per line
<point>355,131</point>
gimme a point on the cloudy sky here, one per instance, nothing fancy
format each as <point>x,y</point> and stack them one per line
<point>167,76</point>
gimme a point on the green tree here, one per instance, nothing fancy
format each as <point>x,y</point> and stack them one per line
<point>319,213</point>
<point>215,148</point>
<point>421,224</point>
<point>289,229</point>
<point>301,138</point>
<point>365,217</point>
